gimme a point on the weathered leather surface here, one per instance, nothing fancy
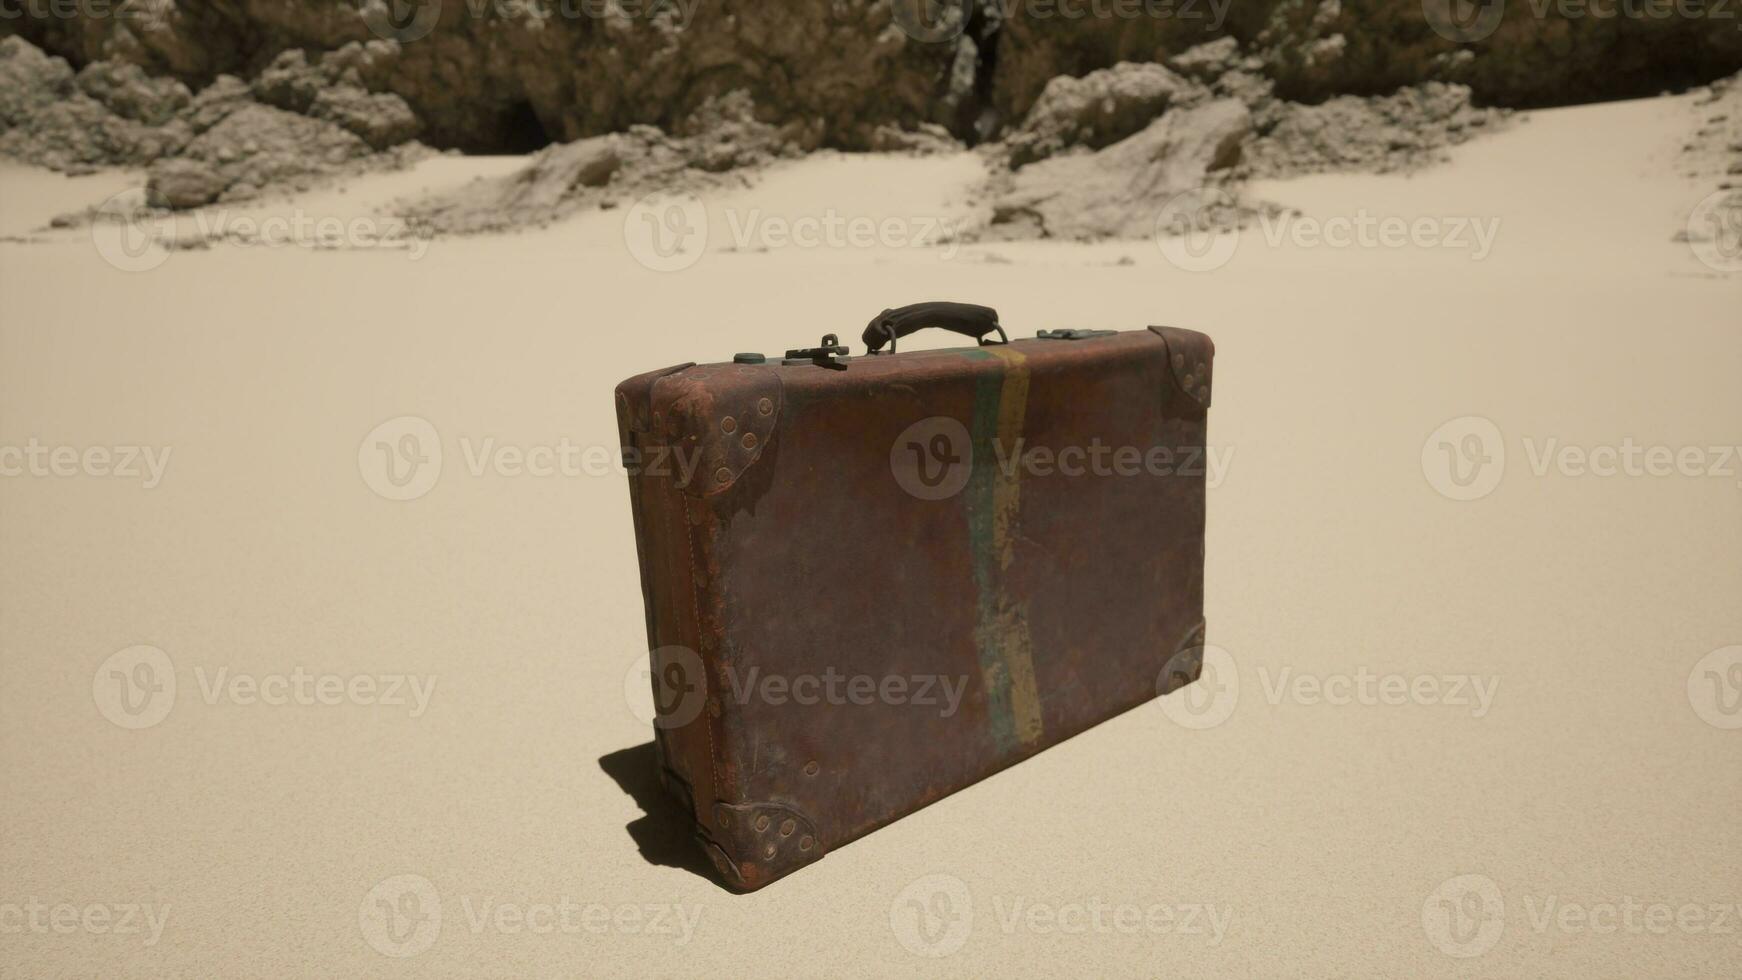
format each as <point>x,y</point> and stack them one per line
<point>1050,597</point>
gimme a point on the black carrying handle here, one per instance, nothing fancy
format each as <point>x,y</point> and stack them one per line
<point>963,318</point>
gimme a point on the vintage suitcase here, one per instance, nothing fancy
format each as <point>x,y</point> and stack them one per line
<point>872,581</point>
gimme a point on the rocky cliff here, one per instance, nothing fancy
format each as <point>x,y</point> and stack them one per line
<point>513,75</point>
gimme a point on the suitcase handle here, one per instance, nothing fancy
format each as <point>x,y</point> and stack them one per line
<point>962,318</point>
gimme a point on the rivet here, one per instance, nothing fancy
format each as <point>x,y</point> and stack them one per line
<point>723,475</point>
<point>725,820</point>
<point>787,827</point>
<point>1179,361</point>
<point>749,440</point>
<point>768,851</point>
<point>728,424</point>
<point>762,822</point>
<point>1204,392</point>
<point>765,406</point>
<point>806,842</point>
<point>811,768</point>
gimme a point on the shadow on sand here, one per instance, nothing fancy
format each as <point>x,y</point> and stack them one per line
<point>664,832</point>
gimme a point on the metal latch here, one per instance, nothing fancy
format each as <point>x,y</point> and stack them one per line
<point>821,356</point>
<point>1073,334</point>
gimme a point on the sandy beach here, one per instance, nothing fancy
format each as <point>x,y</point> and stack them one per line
<point>1464,622</point>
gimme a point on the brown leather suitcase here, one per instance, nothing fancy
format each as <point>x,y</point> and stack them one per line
<point>872,581</point>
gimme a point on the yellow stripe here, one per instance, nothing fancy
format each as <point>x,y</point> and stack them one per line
<point>1012,625</point>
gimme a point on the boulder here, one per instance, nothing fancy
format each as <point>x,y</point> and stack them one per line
<point>1099,108</point>
<point>1118,191</point>
<point>183,184</point>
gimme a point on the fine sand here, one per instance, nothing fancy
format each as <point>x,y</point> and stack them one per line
<point>1564,736</point>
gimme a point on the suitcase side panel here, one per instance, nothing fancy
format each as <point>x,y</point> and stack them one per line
<point>1044,604</point>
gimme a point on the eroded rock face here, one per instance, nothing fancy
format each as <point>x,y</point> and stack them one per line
<point>1410,128</point>
<point>223,144</point>
<point>513,75</point>
<point>47,117</point>
<point>602,171</point>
